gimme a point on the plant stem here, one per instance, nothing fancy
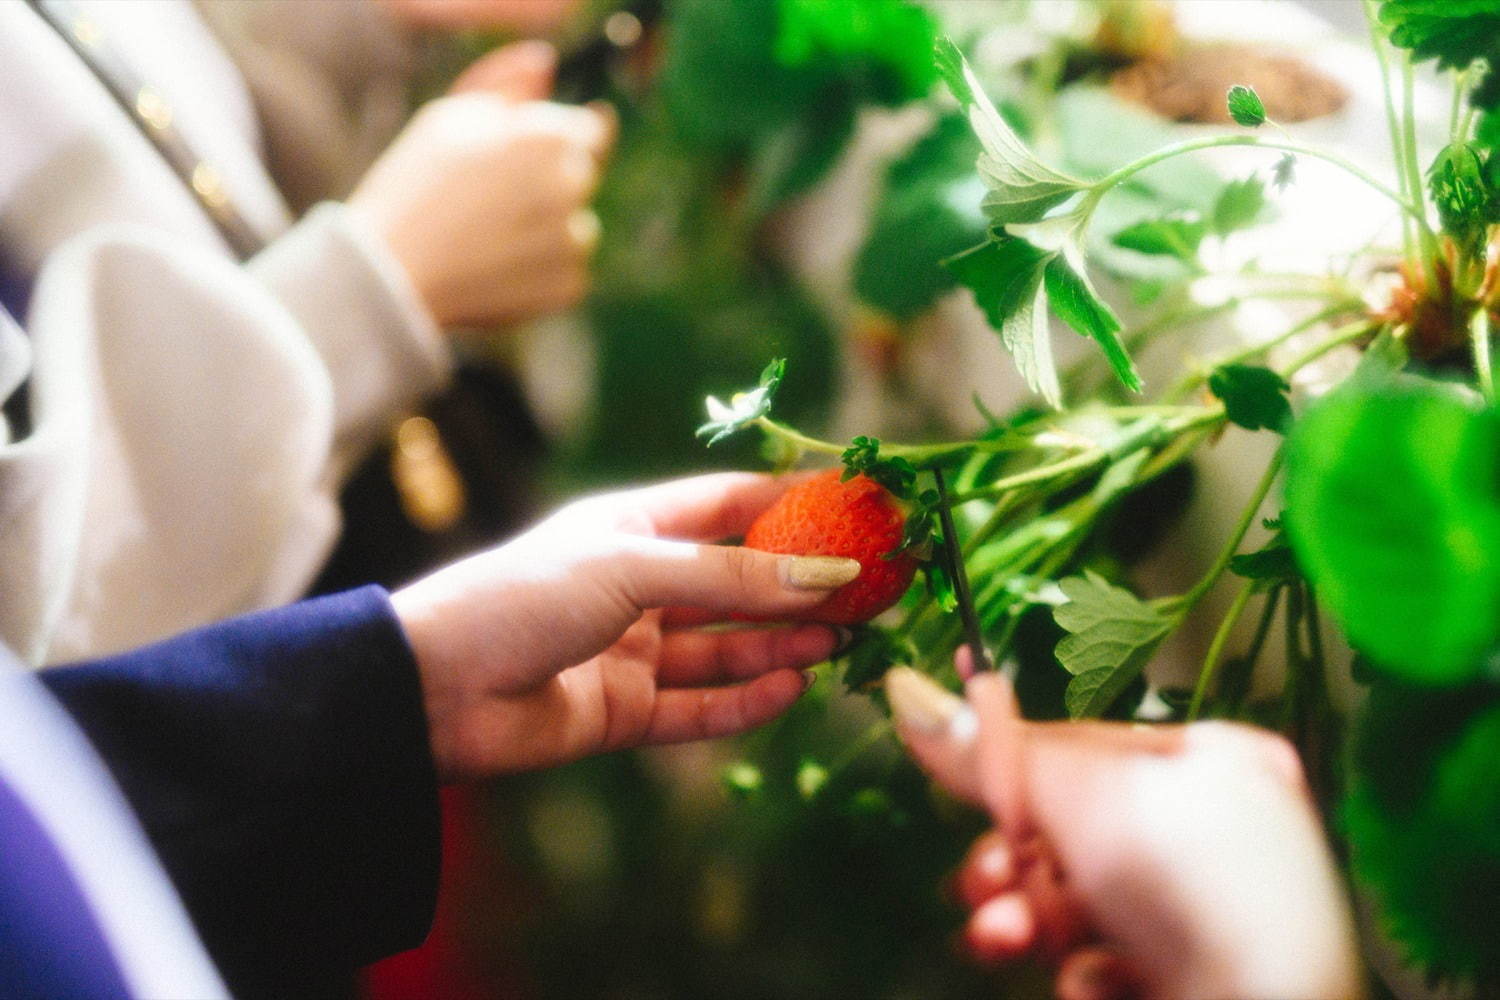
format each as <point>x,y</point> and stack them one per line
<point>1188,382</point>
<point>1247,517</point>
<point>1216,648</point>
<point>1378,43</point>
<point>1479,336</point>
<point>911,452</point>
<point>1343,335</point>
<point>1414,173</point>
<point>1194,145</point>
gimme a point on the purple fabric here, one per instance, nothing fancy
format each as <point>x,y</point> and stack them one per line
<point>50,944</point>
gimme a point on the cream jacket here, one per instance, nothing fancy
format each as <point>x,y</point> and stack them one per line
<point>191,417</point>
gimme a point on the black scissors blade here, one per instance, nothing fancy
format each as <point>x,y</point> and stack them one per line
<point>965,597</point>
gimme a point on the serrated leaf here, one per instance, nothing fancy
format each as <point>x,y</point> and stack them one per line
<point>1254,397</point>
<point>1245,107</point>
<point>1238,206</point>
<point>1005,276</point>
<point>1113,634</point>
<point>1175,236</point>
<point>1074,300</point>
<point>1022,187</point>
<point>1394,512</point>
<point>1089,695</point>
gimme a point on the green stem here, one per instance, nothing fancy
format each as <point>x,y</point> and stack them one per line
<point>1190,381</point>
<point>1247,518</point>
<point>1194,145</point>
<point>1343,335</point>
<point>1414,173</point>
<point>1216,648</point>
<point>1079,462</point>
<point>1460,81</point>
<point>1479,336</point>
<point>915,453</point>
<point>1378,43</point>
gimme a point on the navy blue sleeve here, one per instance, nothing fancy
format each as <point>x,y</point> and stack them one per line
<point>280,765</point>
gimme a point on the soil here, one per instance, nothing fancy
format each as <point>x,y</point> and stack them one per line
<point>1190,84</point>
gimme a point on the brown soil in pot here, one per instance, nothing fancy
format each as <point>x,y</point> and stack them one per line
<point>1189,86</point>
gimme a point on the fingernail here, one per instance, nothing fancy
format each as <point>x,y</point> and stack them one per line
<point>816,572</point>
<point>809,678</point>
<point>843,638</point>
<point>920,703</point>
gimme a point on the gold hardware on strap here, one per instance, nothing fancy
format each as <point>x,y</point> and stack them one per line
<point>426,478</point>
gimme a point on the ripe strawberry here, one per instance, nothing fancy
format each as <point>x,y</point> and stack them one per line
<point>858,519</point>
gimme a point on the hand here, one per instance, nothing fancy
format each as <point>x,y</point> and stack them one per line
<point>483,197</point>
<point>528,17</point>
<point>584,634</point>
<point>1160,861</point>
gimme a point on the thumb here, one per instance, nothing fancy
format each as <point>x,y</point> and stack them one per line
<point>522,71</point>
<point>728,579</point>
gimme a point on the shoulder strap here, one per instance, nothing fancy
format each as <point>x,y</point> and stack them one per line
<point>152,115</point>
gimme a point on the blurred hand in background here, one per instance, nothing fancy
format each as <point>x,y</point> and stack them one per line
<point>483,196</point>
<point>528,17</point>
<point>1155,861</point>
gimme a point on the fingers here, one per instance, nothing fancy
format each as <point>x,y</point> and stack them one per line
<point>1002,752</point>
<point>938,728</point>
<point>988,870</point>
<point>523,16</point>
<point>708,713</point>
<point>1000,930</point>
<point>653,573</point>
<point>1095,974</point>
<point>702,508</point>
<point>523,71</point>
<point>692,659</point>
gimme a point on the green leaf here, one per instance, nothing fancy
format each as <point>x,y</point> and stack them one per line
<point>1113,635</point>
<point>1090,694</point>
<point>1422,818</point>
<point>1254,397</point>
<point>862,457</point>
<point>1239,206</point>
<point>886,44</point>
<point>744,408</point>
<point>1270,566</point>
<point>1075,301</point>
<point>1394,513</point>
<point>1463,198</point>
<point>873,651</point>
<point>1454,32</point>
<point>1175,235</point>
<point>1005,276</point>
<point>928,211</point>
<point>1245,107</point>
<point>1022,187</point>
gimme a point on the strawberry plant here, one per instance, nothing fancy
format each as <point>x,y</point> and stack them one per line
<point>1384,473</point>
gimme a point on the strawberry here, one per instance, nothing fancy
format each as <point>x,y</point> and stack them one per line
<point>858,519</point>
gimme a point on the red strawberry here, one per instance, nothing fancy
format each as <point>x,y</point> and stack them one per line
<point>858,519</point>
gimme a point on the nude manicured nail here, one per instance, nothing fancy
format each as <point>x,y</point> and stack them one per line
<point>817,572</point>
<point>921,704</point>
